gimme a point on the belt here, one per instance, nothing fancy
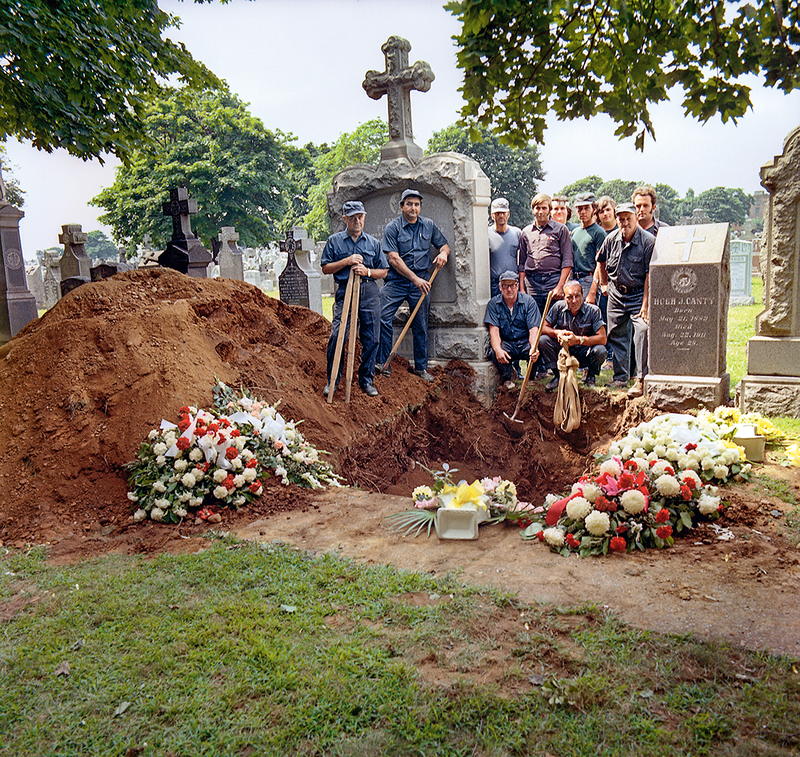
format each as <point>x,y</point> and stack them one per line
<point>628,290</point>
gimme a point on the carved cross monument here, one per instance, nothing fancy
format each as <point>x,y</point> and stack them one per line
<point>396,82</point>
<point>185,252</point>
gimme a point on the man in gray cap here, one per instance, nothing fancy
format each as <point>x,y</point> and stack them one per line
<point>512,318</point>
<point>503,243</point>
<point>407,242</point>
<point>586,241</point>
<point>624,259</point>
<point>354,249</point>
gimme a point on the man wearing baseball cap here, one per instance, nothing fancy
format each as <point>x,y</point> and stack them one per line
<point>586,241</point>
<point>407,242</point>
<point>354,249</point>
<point>624,259</point>
<point>503,243</point>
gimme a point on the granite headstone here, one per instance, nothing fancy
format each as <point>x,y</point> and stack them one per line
<point>741,272</point>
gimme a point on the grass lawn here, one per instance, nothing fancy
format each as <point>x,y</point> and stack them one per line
<point>265,650</point>
<point>741,326</point>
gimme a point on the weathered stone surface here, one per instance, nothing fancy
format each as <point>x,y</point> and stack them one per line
<point>769,395</point>
<point>17,304</point>
<point>74,261</point>
<point>678,394</point>
<point>741,273</point>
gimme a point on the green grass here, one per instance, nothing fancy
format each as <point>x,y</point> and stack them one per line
<point>245,649</point>
<point>741,326</point>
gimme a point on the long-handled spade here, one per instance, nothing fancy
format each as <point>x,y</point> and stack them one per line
<point>530,363</point>
<point>351,347</point>
<point>337,355</point>
<point>408,324</point>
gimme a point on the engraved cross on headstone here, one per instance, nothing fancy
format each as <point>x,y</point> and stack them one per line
<point>396,82</point>
<point>180,205</point>
<point>689,241</point>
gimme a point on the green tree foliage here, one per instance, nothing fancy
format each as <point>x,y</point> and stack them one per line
<point>513,171</point>
<point>587,184</point>
<point>669,204</point>
<point>78,74</point>
<point>100,247</point>
<point>240,173</point>
<point>523,61</point>
<point>15,194</point>
<point>723,204</point>
<point>360,146</point>
<point>618,189</point>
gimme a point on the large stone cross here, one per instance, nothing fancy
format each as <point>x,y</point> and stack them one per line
<point>180,205</point>
<point>688,242</point>
<point>396,82</point>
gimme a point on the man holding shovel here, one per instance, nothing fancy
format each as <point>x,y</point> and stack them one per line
<point>513,319</point>
<point>407,242</point>
<point>353,249</point>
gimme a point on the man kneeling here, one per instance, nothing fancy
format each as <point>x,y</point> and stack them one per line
<point>580,325</point>
<point>513,320</point>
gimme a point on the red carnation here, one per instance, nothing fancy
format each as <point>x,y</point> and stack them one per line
<point>605,505</point>
<point>213,428</point>
<point>255,486</point>
<point>622,529</point>
<point>618,544</point>
<point>662,516</point>
<point>653,462</point>
<point>664,532</point>
<point>236,432</point>
<point>200,422</point>
<point>184,410</point>
<point>231,453</point>
<point>200,431</point>
<point>631,466</point>
<point>228,482</point>
<point>690,446</point>
<point>540,536</point>
<point>183,444</point>
<point>669,469</point>
<point>224,422</point>
<point>251,463</point>
<point>572,541</point>
<point>184,423</point>
<point>686,492</point>
<point>524,522</point>
<point>626,481</point>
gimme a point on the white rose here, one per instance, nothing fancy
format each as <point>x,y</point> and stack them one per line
<point>157,514</point>
<point>132,497</point>
<point>707,504</point>
<point>668,485</point>
<point>554,537</point>
<point>633,501</point>
<point>578,508</point>
<point>239,442</point>
<point>597,523</point>
<point>196,455</point>
<point>220,492</point>
<point>139,515</point>
<point>220,475</point>
<point>159,487</point>
<point>188,480</point>
<point>721,471</point>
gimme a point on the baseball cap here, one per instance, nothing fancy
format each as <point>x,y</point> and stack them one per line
<point>509,276</point>
<point>584,198</point>
<point>626,207</point>
<point>353,207</point>
<point>500,205</point>
<point>409,193</point>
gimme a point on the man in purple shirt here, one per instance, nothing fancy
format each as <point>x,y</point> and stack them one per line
<point>545,254</point>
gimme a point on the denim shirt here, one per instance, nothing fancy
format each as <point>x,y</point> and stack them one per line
<point>341,245</point>
<point>514,325</point>
<point>413,242</point>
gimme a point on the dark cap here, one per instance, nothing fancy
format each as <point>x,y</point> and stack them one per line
<point>584,198</point>
<point>626,207</point>
<point>509,276</point>
<point>409,193</point>
<point>353,207</point>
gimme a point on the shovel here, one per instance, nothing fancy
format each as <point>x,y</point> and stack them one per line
<point>337,355</point>
<point>530,363</point>
<point>414,312</point>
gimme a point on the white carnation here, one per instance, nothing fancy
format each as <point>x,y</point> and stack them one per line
<point>160,448</point>
<point>188,480</point>
<point>180,512</point>
<point>597,523</point>
<point>159,487</point>
<point>161,460</point>
<point>591,492</point>
<point>708,463</point>
<point>196,501</point>
<point>220,475</point>
<point>196,455</point>
<point>673,454</point>
<point>132,497</point>
<point>184,497</point>
<point>152,435</point>
<point>239,481</point>
<point>668,486</point>
<point>578,508</point>
<point>660,450</point>
<point>707,504</point>
<point>239,501</point>
<point>220,492</point>
<point>139,515</point>
<point>250,474</point>
<point>554,537</point>
<point>721,471</point>
<point>610,467</point>
<point>157,514</point>
<point>181,465</point>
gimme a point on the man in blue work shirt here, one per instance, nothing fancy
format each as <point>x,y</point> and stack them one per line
<point>361,252</point>
<point>407,242</point>
<point>513,320</point>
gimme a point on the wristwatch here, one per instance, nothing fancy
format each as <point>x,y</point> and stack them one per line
<point>582,340</point>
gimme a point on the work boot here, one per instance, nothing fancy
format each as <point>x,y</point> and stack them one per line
<point>368,388</point>
<point>382,369</point>
<point>425,376</point>
<point>637,389</point>
<point>553,385</point>
<point>327,390</point>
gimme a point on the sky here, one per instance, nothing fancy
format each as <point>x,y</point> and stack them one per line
<point>300,63</point>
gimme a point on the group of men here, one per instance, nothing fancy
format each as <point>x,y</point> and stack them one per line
<point>402,259</point>
<point>596,272</point>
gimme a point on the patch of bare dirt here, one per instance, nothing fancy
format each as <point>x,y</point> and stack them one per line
<point>82,386</point>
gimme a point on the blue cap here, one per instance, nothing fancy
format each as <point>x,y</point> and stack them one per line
<point>353,207</point>
<point>409,193</point>
<point>509,276</point>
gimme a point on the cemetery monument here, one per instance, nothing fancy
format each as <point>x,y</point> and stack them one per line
<point>184,252</point>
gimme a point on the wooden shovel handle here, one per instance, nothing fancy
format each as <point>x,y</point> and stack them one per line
<point>409,321</point>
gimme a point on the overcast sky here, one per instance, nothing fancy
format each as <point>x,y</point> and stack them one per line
<point>300,64</point>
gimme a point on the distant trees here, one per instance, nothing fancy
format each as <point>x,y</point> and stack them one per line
<point>15,194</point>
<point>721,203</point>
<point>513,171</point>
<point>100,247</point>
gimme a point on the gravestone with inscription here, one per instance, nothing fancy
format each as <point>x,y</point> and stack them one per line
<point>772,383</point>
<point>17,304</point>
<point>299,283</point>
<point>185,252</point>
<point>688,317</point>
<point>456,195</point>
<point>34,275</point>
<point>741,272</point>
<point>231,262</point>
<point>75,264</point>
<point>104,270</point>
<point>52,279</point>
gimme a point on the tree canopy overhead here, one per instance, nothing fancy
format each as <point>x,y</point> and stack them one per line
<point>513,171</point>
<point>78,74</point>
<point>524,60</point>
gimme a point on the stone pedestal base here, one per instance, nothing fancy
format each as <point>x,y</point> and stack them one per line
<point>769,395</point>
<point>773,355</point>
<point>681,393</point>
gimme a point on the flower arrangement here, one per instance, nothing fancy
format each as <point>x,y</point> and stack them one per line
<point>495,500</point>
<point>218,458</point>
<point>626,505</point>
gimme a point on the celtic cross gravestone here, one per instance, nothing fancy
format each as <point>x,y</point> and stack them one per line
<point>184,252</point>
<point>299,283</point>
